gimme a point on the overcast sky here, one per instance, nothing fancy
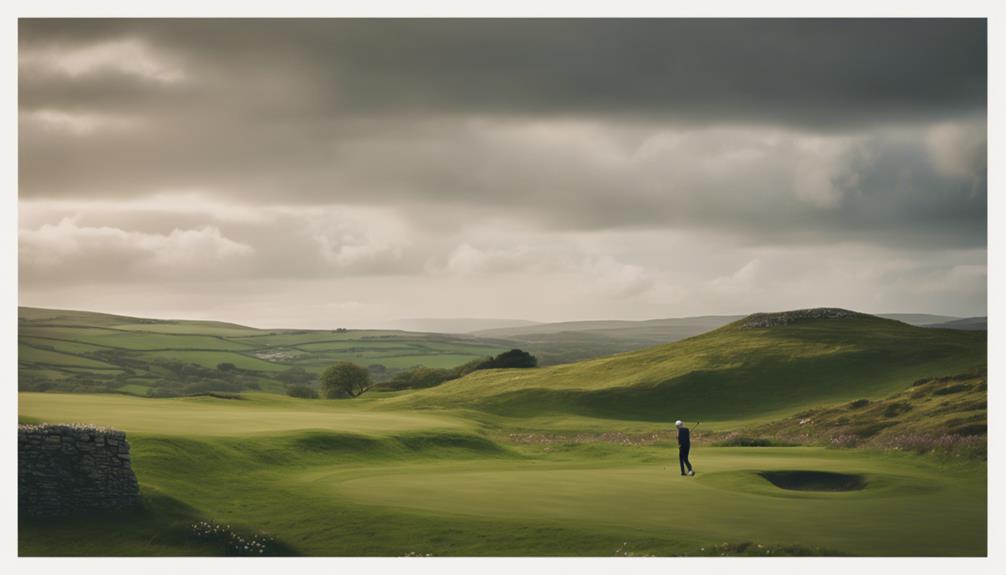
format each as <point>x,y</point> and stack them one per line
<point>330,173</point>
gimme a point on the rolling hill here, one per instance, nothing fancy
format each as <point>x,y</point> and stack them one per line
<point>61,350</point>
<point>567,342</point>
<point>443,471</point>
<point>755,367</point>
<point>968,323</point>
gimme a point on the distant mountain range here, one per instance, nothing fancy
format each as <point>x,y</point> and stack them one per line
<point>564,342</point>
<point>678,327</point>
<point>459,324</point>
<point>969,323</point>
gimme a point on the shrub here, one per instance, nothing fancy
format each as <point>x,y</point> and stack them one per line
<point>859,403</point>
<point>302,391</point>
<point>294,375</point>
<point>510,359</point>
<point>952,389</point>
<point>896,409</point>
<point>423,377</point>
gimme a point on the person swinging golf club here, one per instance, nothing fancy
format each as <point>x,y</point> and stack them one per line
<point>684,445</point>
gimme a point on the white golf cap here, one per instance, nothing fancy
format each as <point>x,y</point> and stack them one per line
<point>679,423</point>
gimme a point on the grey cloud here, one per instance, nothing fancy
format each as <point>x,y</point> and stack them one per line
<point>764,182</point>
<point>561,122</point>
<point>803,72</point>
<point>637,165</point>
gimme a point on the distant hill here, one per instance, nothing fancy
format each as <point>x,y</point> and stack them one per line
<point>64,350</point>
<point>465,325</point>
<point>968,323</point>
<point>920,319</point>
<point>644,329</point>
<point>749,368</point>
<point>565,342</point>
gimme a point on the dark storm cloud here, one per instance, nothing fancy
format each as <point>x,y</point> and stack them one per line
<point>797,72</point>
<point>787,130</point>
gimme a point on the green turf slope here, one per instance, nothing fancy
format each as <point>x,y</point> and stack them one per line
<point>734,372</point>
<point>352,479</point>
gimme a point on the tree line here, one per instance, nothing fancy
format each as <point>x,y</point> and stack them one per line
<point>346,380</point>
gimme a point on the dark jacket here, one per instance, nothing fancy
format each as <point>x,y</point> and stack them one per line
<point>684,437</point>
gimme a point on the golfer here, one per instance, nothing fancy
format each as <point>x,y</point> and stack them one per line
<point>684,445</point>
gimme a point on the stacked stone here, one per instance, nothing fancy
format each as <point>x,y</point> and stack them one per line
<point>760,320</point>
<point>73,469</point>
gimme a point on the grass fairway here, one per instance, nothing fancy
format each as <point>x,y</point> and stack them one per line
<point>357,478</point>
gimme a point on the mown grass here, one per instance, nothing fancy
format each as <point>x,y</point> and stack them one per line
<point>347,478</point>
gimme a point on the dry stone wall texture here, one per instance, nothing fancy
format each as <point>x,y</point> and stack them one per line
<point>73,469</point>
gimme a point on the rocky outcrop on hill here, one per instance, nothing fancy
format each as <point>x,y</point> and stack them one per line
<point>72,469</point>
<point>762,320</point>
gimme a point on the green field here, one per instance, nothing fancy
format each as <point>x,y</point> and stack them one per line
<point>90,352</point>
<point>533,462</point>
<point>334,478</point>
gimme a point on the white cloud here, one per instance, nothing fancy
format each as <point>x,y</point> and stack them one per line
<point>67,249</point>
<point>354,236</point>
<point>745,278</point>
<point>957,148</point>
<point>79,124</point>
<point>128,56</point>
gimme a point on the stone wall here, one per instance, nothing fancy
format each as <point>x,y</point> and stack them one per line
<point>73,469</point>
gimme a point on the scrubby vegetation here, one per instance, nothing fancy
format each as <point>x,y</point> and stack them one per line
<point>302,391</point>
<point>945,414</point>
<point>424,377</point>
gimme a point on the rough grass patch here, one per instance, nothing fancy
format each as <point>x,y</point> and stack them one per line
<point>950,389</point>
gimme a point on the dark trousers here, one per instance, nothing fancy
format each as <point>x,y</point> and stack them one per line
<point>683,457</point>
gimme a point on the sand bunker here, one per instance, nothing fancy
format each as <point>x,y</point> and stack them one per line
<point>815,480</point>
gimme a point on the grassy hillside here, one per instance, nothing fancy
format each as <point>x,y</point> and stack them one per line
<point>84,351</point>
<point>933,412</point>
<point>567,342</point>
<point>735,372</point>
<point>355,478</point>
<point>454,470</point>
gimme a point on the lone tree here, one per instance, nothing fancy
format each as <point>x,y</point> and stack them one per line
<point>344,379</point>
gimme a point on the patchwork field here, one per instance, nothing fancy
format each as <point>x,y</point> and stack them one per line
<point>90,352</point>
